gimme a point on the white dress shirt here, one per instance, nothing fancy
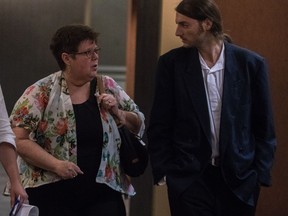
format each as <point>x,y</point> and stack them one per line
<point>6,133</point>
<point>213,81</point>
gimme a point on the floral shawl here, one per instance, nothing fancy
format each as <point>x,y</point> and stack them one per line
<point>45,109</point>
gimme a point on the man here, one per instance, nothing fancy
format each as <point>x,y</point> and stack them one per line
<point>8,154</point>
<point>211,135</point>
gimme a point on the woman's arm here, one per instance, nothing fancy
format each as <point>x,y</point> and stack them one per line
<point>34,154</point>
<point>8,156</point>
<point>8,159</point>
<point>130,119</point>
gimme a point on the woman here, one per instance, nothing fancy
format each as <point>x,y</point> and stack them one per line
<point>8,155</point>
<point>67,134</point>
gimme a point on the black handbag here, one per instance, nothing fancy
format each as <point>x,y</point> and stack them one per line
<point>133,151</point>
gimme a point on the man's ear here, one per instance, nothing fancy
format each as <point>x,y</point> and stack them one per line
<point>207,24</point>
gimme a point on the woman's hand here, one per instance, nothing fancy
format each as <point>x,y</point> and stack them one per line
<point>17,190</point>
<point>67,169</point>
<point>110,103</point>
<point>129,119</point>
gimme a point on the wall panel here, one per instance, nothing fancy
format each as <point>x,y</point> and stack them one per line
<point>25,34</point>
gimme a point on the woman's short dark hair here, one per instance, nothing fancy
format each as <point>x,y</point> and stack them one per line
<point>201,10</point>
<point>68,38</point>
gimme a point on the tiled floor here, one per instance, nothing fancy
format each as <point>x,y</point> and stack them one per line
<point>4,200</point>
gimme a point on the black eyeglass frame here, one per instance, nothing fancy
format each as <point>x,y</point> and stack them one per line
<point>89,53</point>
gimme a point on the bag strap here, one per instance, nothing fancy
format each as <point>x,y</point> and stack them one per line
<point>100,84</point>
<point>101,89</point>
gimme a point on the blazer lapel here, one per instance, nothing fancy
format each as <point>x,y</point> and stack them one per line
<point>232,88</point>
<point>193,81</point>
<point>232,81</point>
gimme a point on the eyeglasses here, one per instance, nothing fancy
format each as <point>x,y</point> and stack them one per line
<point>89,53</point>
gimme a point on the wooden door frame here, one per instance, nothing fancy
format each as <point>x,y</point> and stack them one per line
<point>143,48</point>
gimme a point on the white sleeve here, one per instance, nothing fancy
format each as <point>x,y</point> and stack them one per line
<point>6,133</point>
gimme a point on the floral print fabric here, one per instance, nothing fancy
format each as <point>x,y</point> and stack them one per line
<point>46,110</point>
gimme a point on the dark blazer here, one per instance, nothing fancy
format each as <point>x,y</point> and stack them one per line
<point>179,129</point>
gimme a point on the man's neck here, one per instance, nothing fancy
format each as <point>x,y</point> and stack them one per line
<point>210,51</point>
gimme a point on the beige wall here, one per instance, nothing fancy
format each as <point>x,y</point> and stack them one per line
<point>168,38</point>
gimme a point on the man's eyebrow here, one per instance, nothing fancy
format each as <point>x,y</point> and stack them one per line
<point>181,22</point>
